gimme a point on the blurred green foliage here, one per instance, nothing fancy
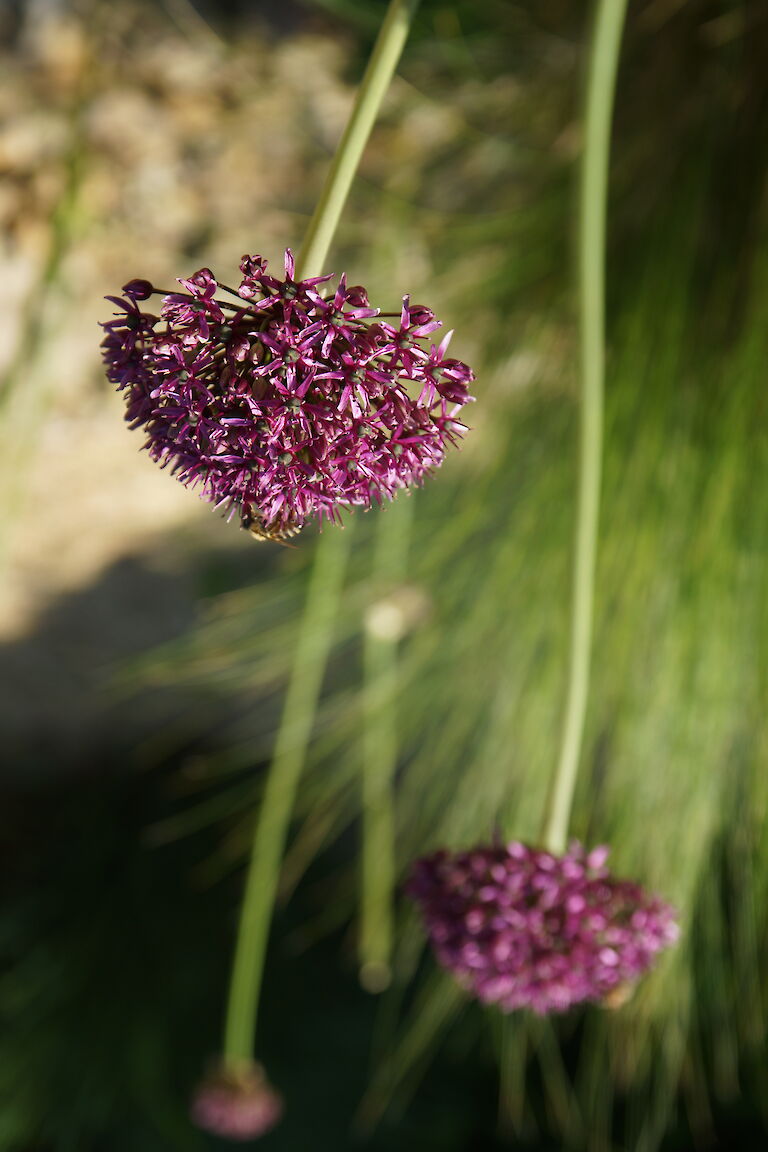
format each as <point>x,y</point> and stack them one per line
<point>116,977</point>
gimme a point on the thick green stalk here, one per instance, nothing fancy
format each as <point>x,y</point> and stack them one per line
<point>323,595</point>
<point>312,647</point>
<point>601,84</point>
<point>380,746</point>
<point>381,67</point>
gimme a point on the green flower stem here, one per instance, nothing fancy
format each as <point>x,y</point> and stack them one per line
<point>312,647</point>
<point>380,748</point>
<point>381,66</point>
<point>323,596</point>
<point>601,85</point>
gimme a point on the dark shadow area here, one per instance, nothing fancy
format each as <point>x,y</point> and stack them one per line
<point>63,707</point>
<point>55,710</point>
<point>115,951</point>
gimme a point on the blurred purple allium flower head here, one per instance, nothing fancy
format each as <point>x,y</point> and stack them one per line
<point>238,1104</point>
<point>285,399</point>
<point>523,928</point>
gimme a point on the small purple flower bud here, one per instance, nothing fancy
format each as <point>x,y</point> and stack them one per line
<point>237,1104</point>
<point>138,289</point>
<point>418,316</point>
<point>357,296</point>
<point>253,267</point>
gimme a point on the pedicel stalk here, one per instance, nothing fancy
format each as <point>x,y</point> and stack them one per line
<point>544,929</point>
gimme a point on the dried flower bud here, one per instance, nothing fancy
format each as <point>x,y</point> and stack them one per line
<point>394,616</point>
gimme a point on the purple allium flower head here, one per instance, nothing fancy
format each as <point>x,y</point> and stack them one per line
<point>523,928</point>
<point>285,399</point>
<point>237,1104</point>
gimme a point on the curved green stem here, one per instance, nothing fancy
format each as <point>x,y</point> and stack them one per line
<point>601,84</point>
<point>381,67</point>
<point>312,647</point>
<point>323,596</point>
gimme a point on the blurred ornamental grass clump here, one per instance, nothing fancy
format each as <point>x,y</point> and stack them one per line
<point>195,144</point>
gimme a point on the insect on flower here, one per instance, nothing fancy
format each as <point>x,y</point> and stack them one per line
<point>252,522</point>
